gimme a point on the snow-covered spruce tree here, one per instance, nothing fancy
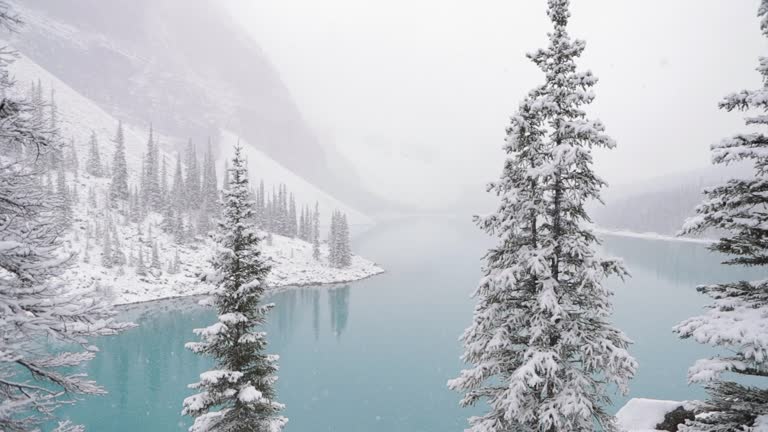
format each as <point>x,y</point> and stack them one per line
<point>541,349</point>
<point>141,268</point>
<point>178,190</point>
<point>332,240</point>
<point>71,159</point>
<point>210,190</point>
<point>737,320</point>
<point>293,229</point>
<point>316,232</point>
<point>93,165</point>
<point>192,181</point>
<point>64,199</point>
<point>239,394</point>
<point>107,256</point>
<point>155,262</point>
<point>152,201</point>
<point>345,250</point>
<point>118,188</point>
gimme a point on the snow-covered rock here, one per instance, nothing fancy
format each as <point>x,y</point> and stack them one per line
<point>642,415</point>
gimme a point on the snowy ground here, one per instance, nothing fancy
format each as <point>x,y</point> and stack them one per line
<point>291,259</point>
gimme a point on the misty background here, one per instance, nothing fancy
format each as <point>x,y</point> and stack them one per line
<point>400,106</point>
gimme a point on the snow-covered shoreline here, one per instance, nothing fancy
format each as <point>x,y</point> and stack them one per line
<point>293,265</point>
<point>649,236</point>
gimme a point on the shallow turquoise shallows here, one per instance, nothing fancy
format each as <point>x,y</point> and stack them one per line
<point>375,355</point>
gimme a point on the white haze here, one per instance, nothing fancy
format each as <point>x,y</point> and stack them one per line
<point>417,93</point>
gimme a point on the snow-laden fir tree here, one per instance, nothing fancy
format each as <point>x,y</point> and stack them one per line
<point>118,188</point>
<point>316,232</point>
<point>63,196</point>
<point>293,229</point>
<point>737,321</point>
<point>35,308</point>
<point>141,268</point>
<point>339,251</point>
<point>192,181</point>
<point>106,249</point>
<point>155,262</point>
<point>71,161</point>
<point>210,189</point>
<point>150,183</point>
<point>178,190</point>
<point>165,207</point>
<point>541,350</point>
<point>239,394</point>
<point>93,165</point>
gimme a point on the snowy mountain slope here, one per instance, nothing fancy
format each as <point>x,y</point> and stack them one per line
<point>188,68</point>
<point>77,116</point>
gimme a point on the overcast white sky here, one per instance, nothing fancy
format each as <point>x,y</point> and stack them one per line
<point>417,93</point>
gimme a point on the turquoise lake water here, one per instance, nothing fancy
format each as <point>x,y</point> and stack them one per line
<point>374,355</point>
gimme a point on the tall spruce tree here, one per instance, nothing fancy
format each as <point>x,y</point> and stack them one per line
<point>541,350</point>
<point>293,229</point>
<point>737,320</point>
<point>239,395</point>
<point>118,189</point>
<point>192,182</point>
<point>93,165</point>
<point>345,251</point>
<point>71,159</point>
<point>63,196</point>
<point>151,183</point>
<point>210,190</point>
<point>178,190</point>
<point>316,232</point>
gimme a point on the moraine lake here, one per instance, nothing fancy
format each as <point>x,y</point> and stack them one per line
<point>374,355</point>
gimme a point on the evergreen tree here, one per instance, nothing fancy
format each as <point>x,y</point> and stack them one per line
<point>303,224</point>
<point>38,311</point>
<point>737,320</point>
<point>239,395</point>
<point>178,190</point>
<point>164,198</point>
<point>210,188</point>
<point>141,268</point>
<point>316,233</point>
<point>175,266</point>
<point>345,251</point>
<point>333,240</point>
<point>151,183</point>
<point>118,255</point>
<point>261,208</point>
<point>63,197</point>
<point>292,227</point>
<point>540,348</point>
<point>192,181</point>
<point>118,188</point>
<point>225,185</point>
<point>106,251</point>
<point>155,263</point>
<point>71,160</point>
<point>91,197</point>
<point>93,166</point>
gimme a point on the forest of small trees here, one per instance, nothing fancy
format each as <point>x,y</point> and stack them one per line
<point>183,195</point>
